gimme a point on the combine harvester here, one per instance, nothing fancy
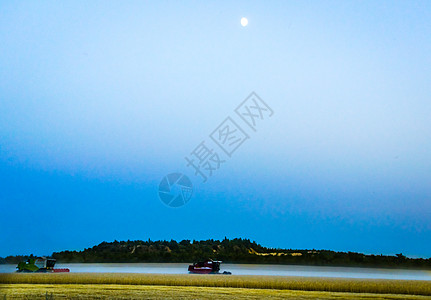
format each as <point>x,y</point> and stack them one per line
<point>208,266</point>
<point>39,265</point>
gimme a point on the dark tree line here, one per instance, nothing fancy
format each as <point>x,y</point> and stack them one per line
<point>228,251</point>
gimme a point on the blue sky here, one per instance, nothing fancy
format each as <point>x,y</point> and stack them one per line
<point>98,101</point>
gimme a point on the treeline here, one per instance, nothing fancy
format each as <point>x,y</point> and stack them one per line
<point>228,251</point>
<point>15,259</point>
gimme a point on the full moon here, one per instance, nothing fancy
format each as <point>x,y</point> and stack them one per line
<point>244,21</point>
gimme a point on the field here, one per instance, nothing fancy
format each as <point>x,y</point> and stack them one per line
<point>156,286</point>
<point>101,291</point>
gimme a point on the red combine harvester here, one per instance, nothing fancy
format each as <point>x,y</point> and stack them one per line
<point>39,265</point>
<point>205,267</point>
<point>208,266</point>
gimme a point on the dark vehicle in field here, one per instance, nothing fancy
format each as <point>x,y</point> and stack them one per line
<point>39,265</point>
<point>208,266</point>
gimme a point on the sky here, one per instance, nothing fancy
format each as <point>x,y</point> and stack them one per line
<point>100,100</point>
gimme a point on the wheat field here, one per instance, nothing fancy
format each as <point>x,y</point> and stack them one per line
<point>110,291</point>
<point>343,285</point>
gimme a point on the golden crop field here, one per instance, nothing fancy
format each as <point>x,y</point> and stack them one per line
<point>374,286</point>
<point>109,291</point>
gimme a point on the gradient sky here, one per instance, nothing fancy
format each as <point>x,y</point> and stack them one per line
<point>100,100</point>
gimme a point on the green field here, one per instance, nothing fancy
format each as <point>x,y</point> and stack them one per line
<point>156,286</point>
